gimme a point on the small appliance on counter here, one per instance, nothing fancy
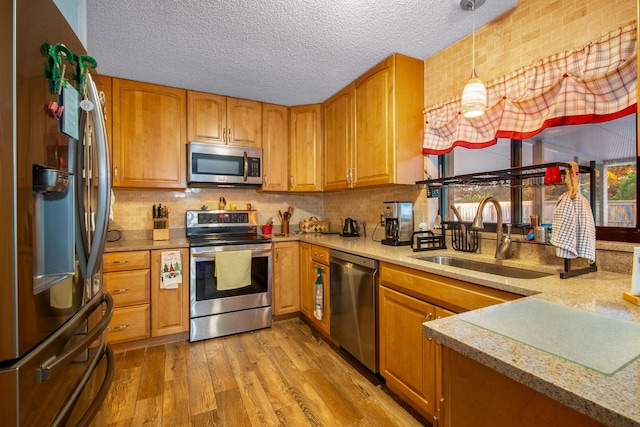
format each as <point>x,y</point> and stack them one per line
<point>398,223</point>
<point>350,228</point>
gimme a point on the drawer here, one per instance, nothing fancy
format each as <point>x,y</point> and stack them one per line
<point>129,323</point>
<point>320,254</point>
<point>456,295</point>
<point>120,261</point>
<point>128,287</point>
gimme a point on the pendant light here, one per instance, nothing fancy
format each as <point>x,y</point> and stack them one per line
<point>474,95</point>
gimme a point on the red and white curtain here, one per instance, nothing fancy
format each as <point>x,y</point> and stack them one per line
<point>595,83</point>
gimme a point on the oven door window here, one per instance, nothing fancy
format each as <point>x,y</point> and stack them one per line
<point>205,280</point>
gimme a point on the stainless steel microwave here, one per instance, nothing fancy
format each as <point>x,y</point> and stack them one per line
<point>214,164</point>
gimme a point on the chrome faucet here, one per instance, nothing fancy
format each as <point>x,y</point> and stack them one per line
<point>503,242</point>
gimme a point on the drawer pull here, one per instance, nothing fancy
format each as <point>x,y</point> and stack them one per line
<point>118,291</point>
<point>124,261</point>
<point>318,255</point>
<point>118,328</point>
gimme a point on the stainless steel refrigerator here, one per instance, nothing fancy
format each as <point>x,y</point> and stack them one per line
<point>55,363</point>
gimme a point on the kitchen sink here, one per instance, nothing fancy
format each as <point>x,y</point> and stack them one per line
<point>484,267</point>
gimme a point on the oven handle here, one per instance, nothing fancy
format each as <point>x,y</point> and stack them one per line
<point>54,364</point>
<point>212,254</point>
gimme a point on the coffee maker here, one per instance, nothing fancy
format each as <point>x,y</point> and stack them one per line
<point>398,223</point>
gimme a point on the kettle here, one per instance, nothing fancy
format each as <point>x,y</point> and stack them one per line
<point>350,227</point>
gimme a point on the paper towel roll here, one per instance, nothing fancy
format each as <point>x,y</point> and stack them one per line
<point>635,274</point>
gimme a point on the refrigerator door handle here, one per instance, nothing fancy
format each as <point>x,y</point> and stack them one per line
<point>104,183</point>
<point>91,411</point>
<point>52,365</point>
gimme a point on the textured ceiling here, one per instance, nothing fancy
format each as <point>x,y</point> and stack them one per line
<point>288,52</point>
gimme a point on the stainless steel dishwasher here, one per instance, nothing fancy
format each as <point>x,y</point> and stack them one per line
<point>353,305</point>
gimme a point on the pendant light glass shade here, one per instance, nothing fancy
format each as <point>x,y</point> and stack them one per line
<point>474,94</point>
<point>474,97</point>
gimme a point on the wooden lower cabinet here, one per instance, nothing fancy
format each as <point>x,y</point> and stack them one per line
<point>476,395</point>
<point>286,272</point>
<point>306,294</point>
<point>169,307</point>
<point>129,323</point>
<point>127,277</point>
<point>410,362</point>
<point>407,357</point>
<point>312,258</point>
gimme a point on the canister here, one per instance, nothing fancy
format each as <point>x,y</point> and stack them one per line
<point>540,234</point>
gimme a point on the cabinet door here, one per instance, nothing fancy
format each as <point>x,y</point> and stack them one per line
<point>275,147</point>
<point>305,159</point>
<point>207,117</point>
<point>373,122</point>
<point>244,123</point>
<point>306,280</point>
<point>322,324</point>
<point>440,413</point>
<point>149,135</point>
<point>286,272</point>
<point>337,165</point>
<point>169,307</point>
<point>407,357</point>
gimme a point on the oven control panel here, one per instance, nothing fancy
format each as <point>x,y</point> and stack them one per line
<point>197,219</point>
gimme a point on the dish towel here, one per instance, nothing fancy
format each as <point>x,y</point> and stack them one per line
<point>170,270</point>
<point>574,231</point>
<point>233,269</point>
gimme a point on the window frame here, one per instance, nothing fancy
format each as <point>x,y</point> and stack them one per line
<point>617,234</point>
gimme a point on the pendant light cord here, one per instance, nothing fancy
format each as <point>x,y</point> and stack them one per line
<point>473,38</point>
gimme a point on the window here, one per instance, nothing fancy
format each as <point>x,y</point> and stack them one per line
<point>611,145</point>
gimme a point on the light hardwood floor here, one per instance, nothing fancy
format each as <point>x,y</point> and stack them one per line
<point>280,376</point>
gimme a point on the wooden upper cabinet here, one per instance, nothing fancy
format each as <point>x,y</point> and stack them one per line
<point>222,120</point>
<point>337,131</point>
<point>206,117</point>
<point>305,159</point>
<point>275,147</point>
<point>244,123</point>
<point>149,135</point>
<point>388,123</point>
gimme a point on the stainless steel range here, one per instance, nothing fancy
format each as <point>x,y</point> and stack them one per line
<point>230,287</point>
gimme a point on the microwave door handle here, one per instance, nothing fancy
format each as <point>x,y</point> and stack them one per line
<point>104,183</point>
<point>246,167</point>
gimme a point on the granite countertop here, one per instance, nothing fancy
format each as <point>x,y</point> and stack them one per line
<point>611,399</point>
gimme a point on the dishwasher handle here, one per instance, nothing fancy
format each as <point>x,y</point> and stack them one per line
<point>354,259</point>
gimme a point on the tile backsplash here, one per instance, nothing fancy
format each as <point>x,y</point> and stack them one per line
<point>132,208</point>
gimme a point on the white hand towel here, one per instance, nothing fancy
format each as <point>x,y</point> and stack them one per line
<point>170,270</point>
<point>233,269</point>
<point>573,229</point>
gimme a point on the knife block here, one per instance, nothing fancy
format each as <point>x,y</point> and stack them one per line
<point>161,228</point>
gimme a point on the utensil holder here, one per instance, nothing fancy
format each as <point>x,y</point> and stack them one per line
<point>463,239</point>
<point>161,228</point>
<point>285,226</point>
